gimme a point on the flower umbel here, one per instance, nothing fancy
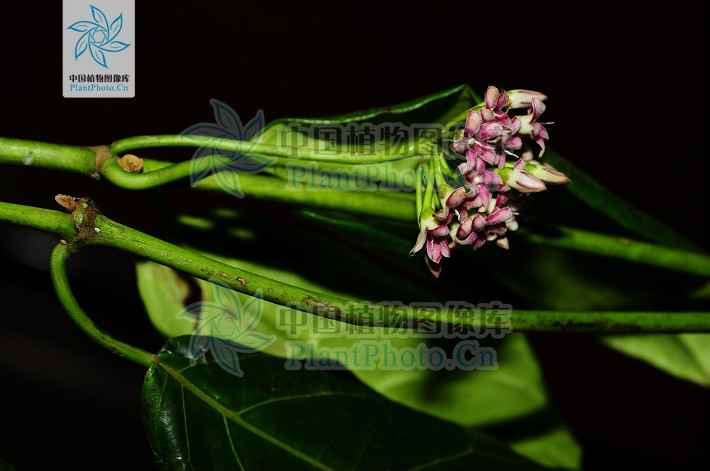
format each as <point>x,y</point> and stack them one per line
<point>499,176</point>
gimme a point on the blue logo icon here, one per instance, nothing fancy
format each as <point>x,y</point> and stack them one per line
<point>226,152</point>
<point>98,36</point>
<point>225,327</point>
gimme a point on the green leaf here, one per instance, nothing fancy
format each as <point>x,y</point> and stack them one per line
<point>556,448</point>
<point>396,128</point>
<point>549,278</point>
<point>484,398</point>
<point>439,107</point>
<point>164,293</point>
<point>471,398</point>
<point>611,205</point>
<point>685,356</point>
<point>5,466</point>
<point>200,417</point>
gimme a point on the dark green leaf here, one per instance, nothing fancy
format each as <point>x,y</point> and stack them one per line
<point>472,398</point>
<point>621,211</point>
<point>5,466</point>
<point>685,356</point>
<point>200,417</point>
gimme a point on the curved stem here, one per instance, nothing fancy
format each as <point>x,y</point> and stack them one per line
<point>113,172</point>
<point>376,203</point>
<point>255,147</point>
<point>60,254</point>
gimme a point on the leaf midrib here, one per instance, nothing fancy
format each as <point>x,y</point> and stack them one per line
<point>235,416</point>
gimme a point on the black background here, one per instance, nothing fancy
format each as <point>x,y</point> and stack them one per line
<point>628,87</point>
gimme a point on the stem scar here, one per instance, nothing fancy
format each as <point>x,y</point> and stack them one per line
<point>318,305</point>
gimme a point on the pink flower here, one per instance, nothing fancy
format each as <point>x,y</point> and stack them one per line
<point>530,125</point>
<point>481,183</point>
<point>489,133</point>
<point>432,235</point>
<point>494,189</point>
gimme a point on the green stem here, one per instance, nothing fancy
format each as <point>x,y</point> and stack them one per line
<point>609,321</point>
<point>113,172</point>
<point>41,154</point>
<point>173,140</point>
<point>115,235</point>
<point>418,187</point>
<point>47,220</point>
<point>377,203</point>
<point>429,192</point>
<point>438,174</point>
<point>66,297</point>
<point>444,166</point>
<point>622,248</point>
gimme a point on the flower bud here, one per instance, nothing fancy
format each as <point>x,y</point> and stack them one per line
<point>521,180</point>
<point>451,197</point>
<point>473,122</point>
<point>503,243</point>
<point>546,172</point>
<point>523,98</point>
<point>460,144</point>
<point>491,97</point>
<point>499,215</point>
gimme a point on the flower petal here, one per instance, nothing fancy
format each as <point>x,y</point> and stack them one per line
<point>468,240</point>
<point>440,231</point>
<point>444,247</point>
<point>464,229</point>
<point>456,197</point>
<point>433,250</point>
<point>479,222</point>
<point>503,243</point>
<point>421,239</point>
<point>473,122</point>
<point>538,107</point>
<point>498,216</point>
<point>502,100</point>
<point>491,97</point>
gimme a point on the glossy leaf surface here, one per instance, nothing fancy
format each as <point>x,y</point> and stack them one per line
<point>200,417</point>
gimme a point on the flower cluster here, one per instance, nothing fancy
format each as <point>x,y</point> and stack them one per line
<point>495,181</point>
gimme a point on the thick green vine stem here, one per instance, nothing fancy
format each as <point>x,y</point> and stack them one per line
<point>380,204</point>
<point>58,260</point>
<point>53,156</point>
<point>257,148</point>
<point>87,227</point>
